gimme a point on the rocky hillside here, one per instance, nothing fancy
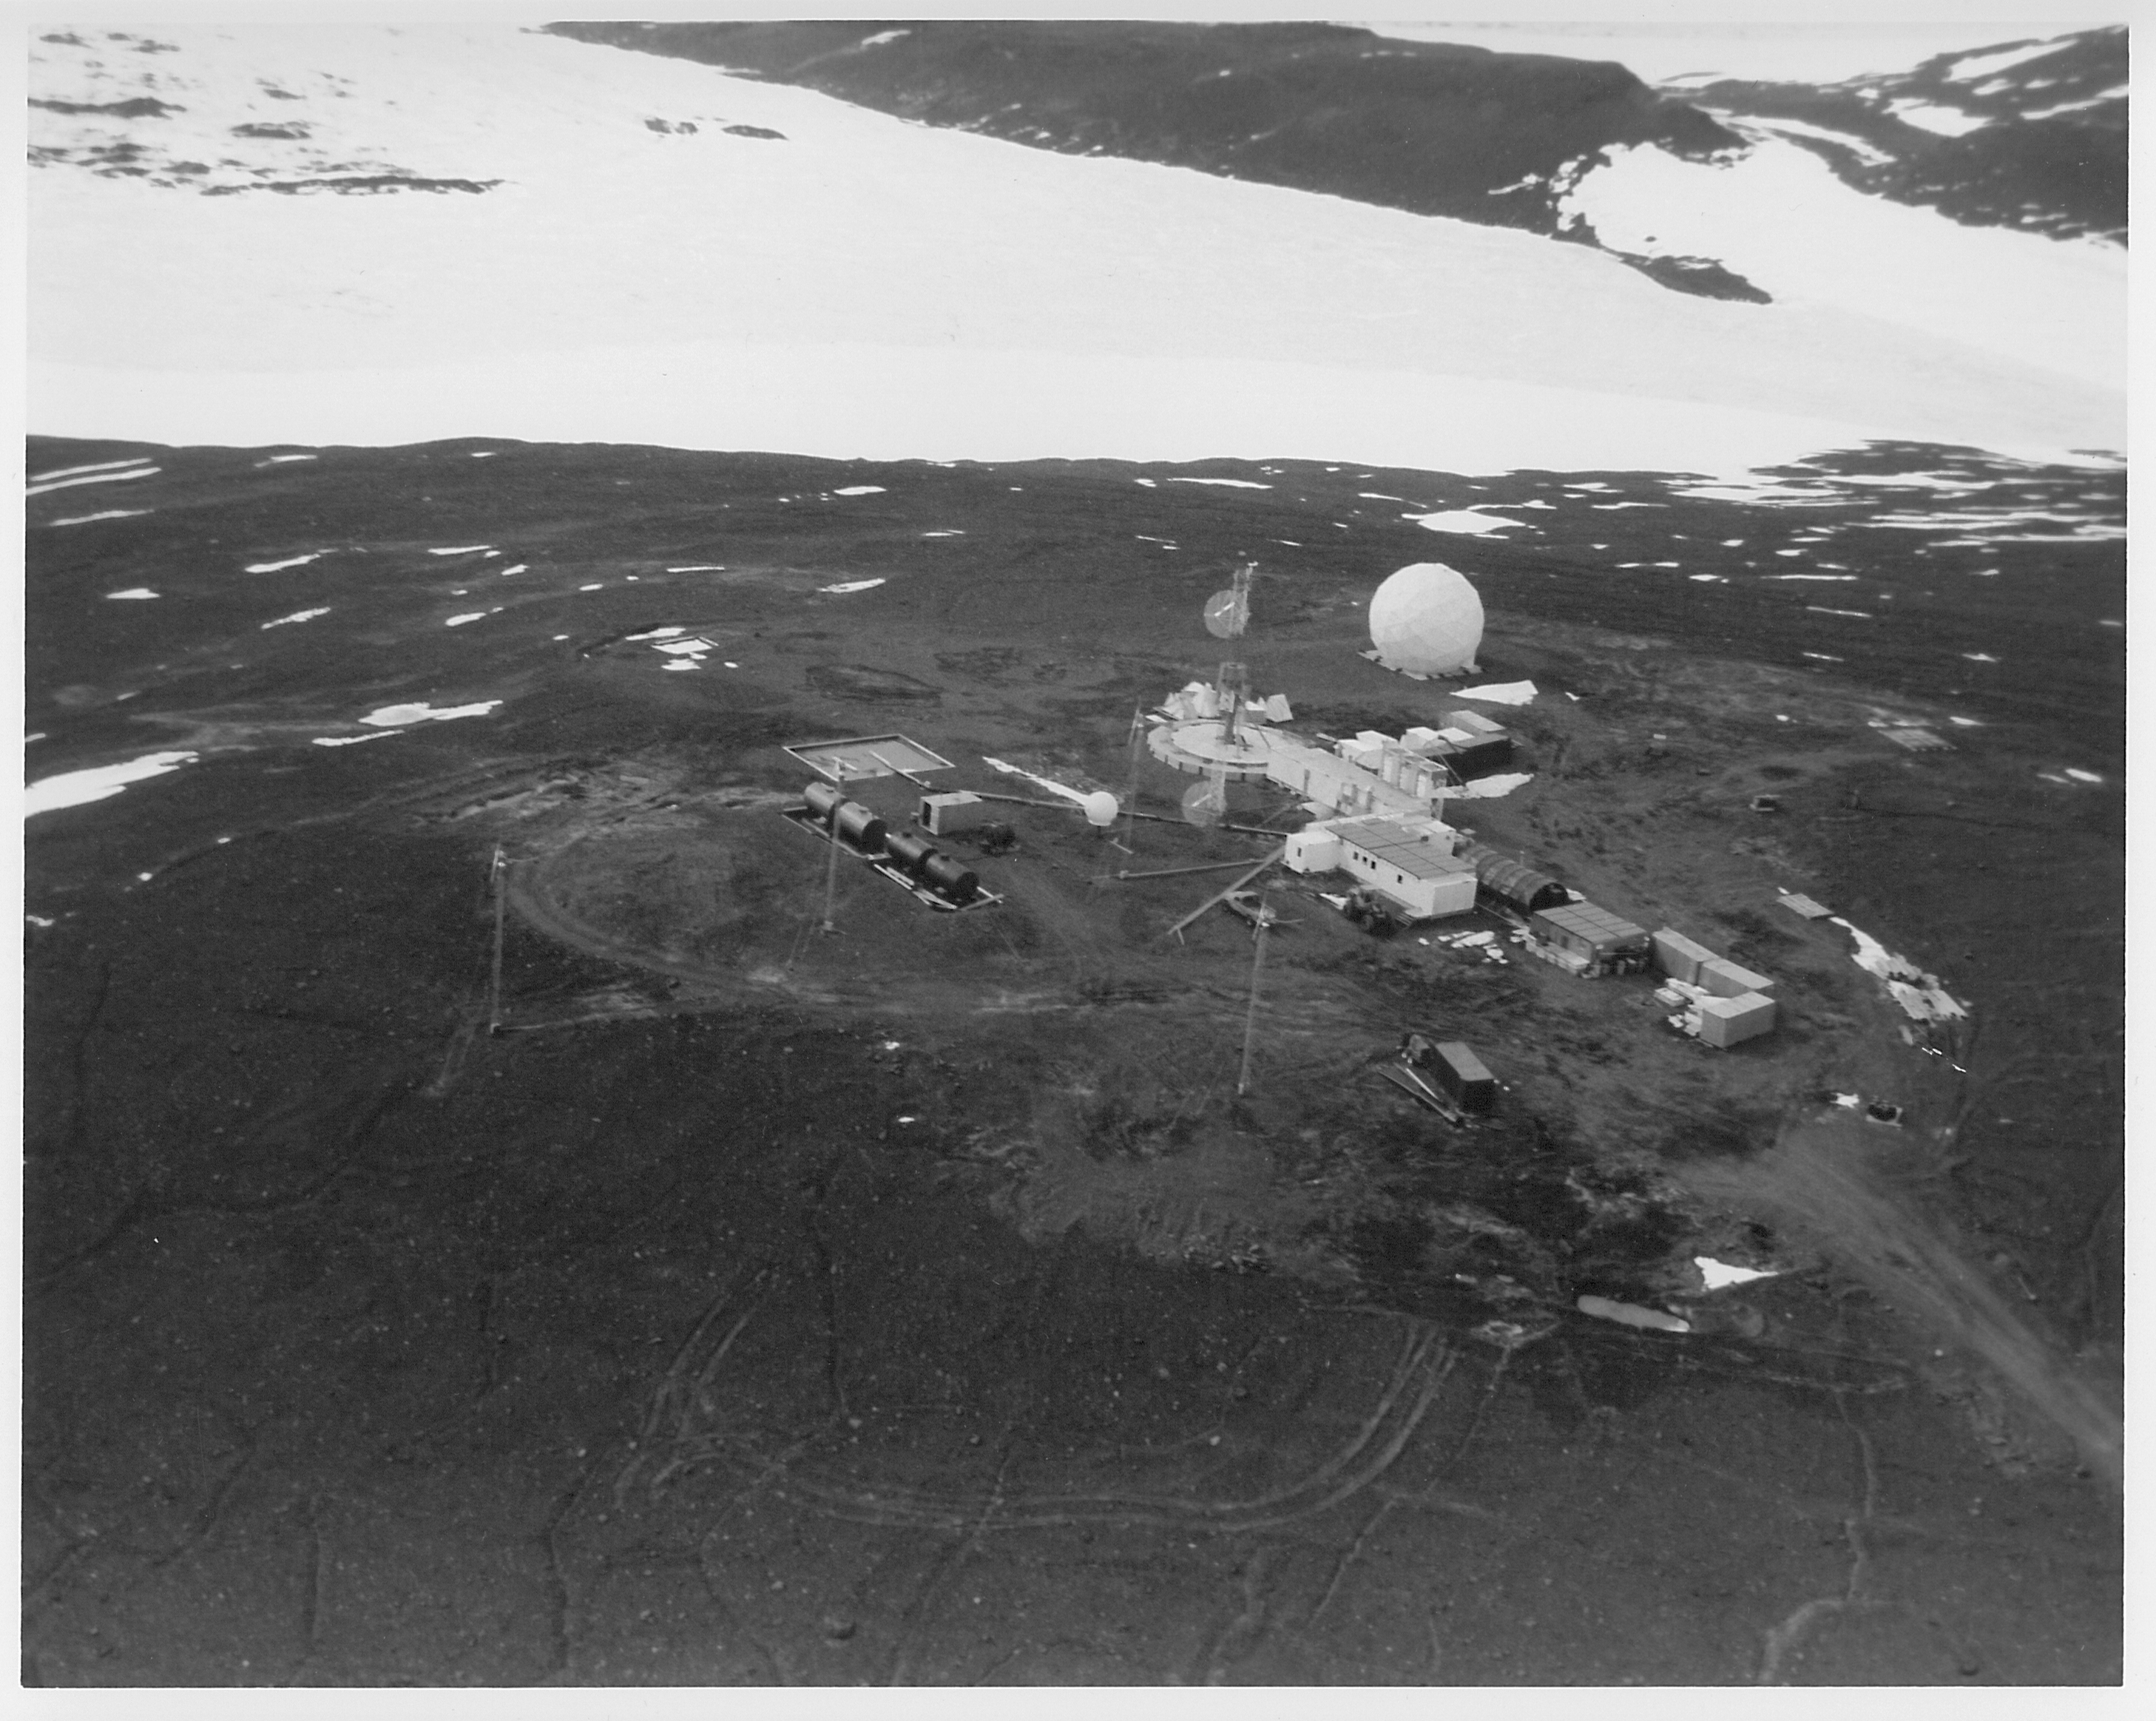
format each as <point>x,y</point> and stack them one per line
<point>1429,127</point>
<point>2030,135</point>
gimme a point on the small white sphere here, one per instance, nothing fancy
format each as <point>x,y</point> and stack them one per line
<point>1101,808</point>
<point>1427,618</point>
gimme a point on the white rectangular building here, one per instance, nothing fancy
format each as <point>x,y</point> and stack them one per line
<point>1409,861</point>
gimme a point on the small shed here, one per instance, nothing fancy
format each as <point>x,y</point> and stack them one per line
<point>1315,848</point>
<point>1601,937</point>
<point>941,814</point>
<point>1465,1078</point>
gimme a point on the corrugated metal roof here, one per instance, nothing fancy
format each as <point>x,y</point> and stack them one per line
<point>1589,921</point>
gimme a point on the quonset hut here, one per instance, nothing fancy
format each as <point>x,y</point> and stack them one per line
<point>1512,883</point>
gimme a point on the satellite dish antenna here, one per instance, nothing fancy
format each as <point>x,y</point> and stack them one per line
<point>1206,805</point>
<point>1228,612</point>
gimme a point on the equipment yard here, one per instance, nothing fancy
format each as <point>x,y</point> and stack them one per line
<point>919,1301</point>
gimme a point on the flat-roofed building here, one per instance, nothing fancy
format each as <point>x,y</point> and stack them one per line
<point>1591,939</point>
<point>1407,862</point>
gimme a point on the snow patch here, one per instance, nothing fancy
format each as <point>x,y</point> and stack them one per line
<point>108,514</point>
<point>133,591</point>
<point>1225,483</point>
<point>460,549</point>
<point>1463,520</point>
<point>395,716</point>
<point>94,466</point>
<point>351,740</point>
<point>1867,153</point>
<point>75,789</point>
<point>283,621</point>
<point>1502,693</point>
<point>472,615</point>
<point>1491,788</point>
<point>860,490</point>
<point>1719,1273</point>
<point>38,490</point>
<point>849,585</point>
<point>1946,122</point>
<point>289,562</point>
<point>1970,67</point>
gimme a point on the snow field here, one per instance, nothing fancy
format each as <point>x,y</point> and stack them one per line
<point>999,303</point>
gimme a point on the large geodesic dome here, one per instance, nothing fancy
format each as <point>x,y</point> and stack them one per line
<point>1427,620</point>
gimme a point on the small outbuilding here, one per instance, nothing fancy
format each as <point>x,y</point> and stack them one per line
<point>1603,942</point>
<point>943,814</point>
<point>1463,1078</point>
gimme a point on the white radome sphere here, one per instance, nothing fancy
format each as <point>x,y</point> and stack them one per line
<point>1101,808</point>
<point>1426,619</point>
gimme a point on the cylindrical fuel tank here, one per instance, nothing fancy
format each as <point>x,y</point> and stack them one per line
<point>909,848</point>
<point>824,799</point>
<point>859,826</point>
<point>959,883</point>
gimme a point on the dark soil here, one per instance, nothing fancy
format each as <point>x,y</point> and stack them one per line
<point>919,1304</point>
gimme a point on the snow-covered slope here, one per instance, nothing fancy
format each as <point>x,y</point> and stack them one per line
<point>2027,134</point>
<point>376,234</point>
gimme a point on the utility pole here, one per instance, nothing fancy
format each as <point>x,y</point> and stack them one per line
<point>501,873</point>
<point>1250,1023</point>
<point>1130,794</point>
<point>831,874</point>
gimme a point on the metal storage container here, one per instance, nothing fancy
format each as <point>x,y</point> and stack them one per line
<point>1679,956</point>
<point>824,799</point>
<point>1724,979</point>
<point>1730,1021</point>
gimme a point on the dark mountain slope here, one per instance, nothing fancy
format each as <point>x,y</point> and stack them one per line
<point>1433,128</point>
<point>2038,143</point>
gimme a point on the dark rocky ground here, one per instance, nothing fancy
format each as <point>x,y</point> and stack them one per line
<point>913,1306</point>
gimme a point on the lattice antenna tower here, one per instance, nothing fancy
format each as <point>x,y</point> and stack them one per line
<point>1227,616</point>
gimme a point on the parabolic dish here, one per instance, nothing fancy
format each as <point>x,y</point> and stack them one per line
<point>1426,619</point>
<point>1227,613</point>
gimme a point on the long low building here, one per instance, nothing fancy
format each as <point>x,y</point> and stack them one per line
<point>1341,785</point>
<point>1409,862</point>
